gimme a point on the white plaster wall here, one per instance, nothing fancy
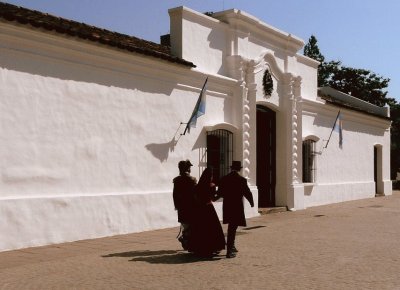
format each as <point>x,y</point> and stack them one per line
<point>307,69</point>
<point>35,221</point>
<point>203,39</point>
<point>110,130</point>
<point>347,173</point>
<point>87,138</point>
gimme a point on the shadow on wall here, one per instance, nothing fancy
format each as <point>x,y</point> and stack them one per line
<point>308,189</point>
<point>119,75</point>
<point>215,41</point>
<point>201,146</point>
<point>161,150</point>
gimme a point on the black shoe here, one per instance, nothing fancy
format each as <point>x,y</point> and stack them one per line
<point>183,242</point>
<point>230,255</point>
<point>234,250</point>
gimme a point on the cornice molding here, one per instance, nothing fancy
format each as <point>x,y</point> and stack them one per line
<point>307,61</point>
<point>311,107</point>
<point>241,20</point>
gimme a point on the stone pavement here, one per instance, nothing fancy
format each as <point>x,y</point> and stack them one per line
<point>351,245</point>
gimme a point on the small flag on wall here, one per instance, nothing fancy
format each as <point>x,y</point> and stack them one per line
<point>199,109</point>
<point>339,128</point>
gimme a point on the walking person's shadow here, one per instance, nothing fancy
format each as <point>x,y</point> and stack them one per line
<point>162,257</point>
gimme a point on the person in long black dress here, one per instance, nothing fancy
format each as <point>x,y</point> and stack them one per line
<point>207,237</point>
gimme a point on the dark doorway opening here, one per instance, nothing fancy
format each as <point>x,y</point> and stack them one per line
<point>376,169</point>
<point>266,156</point>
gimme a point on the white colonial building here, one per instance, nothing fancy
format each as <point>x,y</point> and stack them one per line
<point>90,124</point>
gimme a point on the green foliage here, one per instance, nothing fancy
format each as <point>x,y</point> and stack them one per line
<point>362,84</point>
<point>311,50</point>
<point>326,71</point>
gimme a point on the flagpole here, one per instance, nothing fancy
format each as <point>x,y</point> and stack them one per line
<point>333,128</point>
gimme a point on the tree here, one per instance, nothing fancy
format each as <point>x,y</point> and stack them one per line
<point>311,50</point>
<point>359,83</point>
<point>362,84</point>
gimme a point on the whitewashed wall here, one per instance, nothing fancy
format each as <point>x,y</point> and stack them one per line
<point>199,38</point>
<point>345,173</point>
<point>87,137</point>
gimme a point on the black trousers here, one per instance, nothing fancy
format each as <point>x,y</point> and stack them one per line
<point>230,243</point>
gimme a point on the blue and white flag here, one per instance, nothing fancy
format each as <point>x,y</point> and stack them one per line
<point>199,109</point>
<point>339,128</point>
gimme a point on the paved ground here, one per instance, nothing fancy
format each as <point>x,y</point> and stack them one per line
<point>352,245</point>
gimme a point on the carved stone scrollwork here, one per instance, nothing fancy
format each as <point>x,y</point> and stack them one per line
<point>246,135</point>
<point>249,91</point>
<point>295,129</point>
<point>241,69</point>
<point>292,93</point>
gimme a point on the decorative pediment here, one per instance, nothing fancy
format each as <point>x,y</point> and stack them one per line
<point>267,59</point>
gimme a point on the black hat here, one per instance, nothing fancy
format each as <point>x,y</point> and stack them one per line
<point>184,165</point>
<point>236,165</point>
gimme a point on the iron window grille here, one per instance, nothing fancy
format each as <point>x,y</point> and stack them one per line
<point>309,162</point>
<point>219,152</point>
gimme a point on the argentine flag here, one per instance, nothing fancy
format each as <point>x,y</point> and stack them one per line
<point>338,128</point>
<point>199,109</point>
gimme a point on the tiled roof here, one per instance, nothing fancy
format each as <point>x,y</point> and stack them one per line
<point>49,22</point>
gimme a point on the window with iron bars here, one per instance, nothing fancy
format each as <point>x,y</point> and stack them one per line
<point>309,162</point>
<point>219,152</point>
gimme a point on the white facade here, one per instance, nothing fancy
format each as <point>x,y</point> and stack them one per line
<point>90,137</point>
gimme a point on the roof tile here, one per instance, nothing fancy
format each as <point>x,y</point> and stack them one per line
<point>60,25</point>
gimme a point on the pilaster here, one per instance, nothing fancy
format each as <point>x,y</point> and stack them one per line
<point>292,96</point>
<point>236,67</point>
<point>296,131</point>
<point>243,70</point>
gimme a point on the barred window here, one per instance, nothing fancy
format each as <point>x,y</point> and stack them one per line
<point>309,162</point>
<point>219,152</point>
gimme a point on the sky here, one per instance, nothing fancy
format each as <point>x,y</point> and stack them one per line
<point>362,34</point>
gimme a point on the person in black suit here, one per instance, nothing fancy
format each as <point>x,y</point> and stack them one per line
<point>232,188</point>
<point>183,195</point>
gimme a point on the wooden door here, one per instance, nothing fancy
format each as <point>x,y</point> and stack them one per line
<point>266,156</point>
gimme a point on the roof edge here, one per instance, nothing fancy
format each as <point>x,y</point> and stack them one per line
<point>339,98</point>
<point>47,22</point>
